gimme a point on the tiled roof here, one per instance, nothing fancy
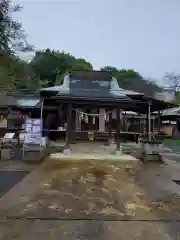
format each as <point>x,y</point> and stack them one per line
<point>82,91</point>
<point>107,91</point>
<point>171,111</point>
<point>6,100</point>
<point>14,101</point>
<point>24,102</point>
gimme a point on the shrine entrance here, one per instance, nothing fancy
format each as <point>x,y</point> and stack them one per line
<point>87,119</point>
<point>91,125</point>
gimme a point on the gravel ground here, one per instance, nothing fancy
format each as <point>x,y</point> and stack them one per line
<point>93,200</point>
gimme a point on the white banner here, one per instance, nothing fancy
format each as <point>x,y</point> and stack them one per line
<point>33,128</point>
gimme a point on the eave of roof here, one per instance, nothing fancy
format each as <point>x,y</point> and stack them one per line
<point>64,91</point>
<point>27,102</point>
<point>20,102</point>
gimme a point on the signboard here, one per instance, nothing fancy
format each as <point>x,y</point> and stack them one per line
<point>33,128</point>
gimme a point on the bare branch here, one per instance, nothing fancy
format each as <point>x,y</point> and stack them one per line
<point>173,81</point>
<point>12,37</point>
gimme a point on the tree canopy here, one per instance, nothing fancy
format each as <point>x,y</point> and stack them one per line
<point>12,36</point>
<point>132,80</point>
<point>50,65</point>
<point>12,39</point>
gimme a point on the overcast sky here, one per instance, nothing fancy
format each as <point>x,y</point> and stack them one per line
<point>139,34</point>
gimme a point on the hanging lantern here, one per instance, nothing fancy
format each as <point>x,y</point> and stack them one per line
<point>86,118</point>
<point>105,117</point>
<point>81,116</point>
<point>121,115</point>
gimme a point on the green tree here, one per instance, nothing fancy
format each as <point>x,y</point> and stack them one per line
<point>12,37</point>
<point>81,65</point>
<point>13,71</point>
<point>16,74</point>
<point>51,66</point>
<point>125,77</point>
<point>132,80</point>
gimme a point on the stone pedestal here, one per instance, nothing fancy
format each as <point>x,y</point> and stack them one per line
<point>67,151</point>
<point>150,150</point>
<point>119,152</point>
<point>6,154</point>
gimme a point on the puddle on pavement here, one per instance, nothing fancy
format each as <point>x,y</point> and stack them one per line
<point>8,179</point>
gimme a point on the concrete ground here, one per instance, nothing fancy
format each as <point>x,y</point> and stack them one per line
<point>12,172</point>
<point>13,165</point>
<point>93,151</point>
<point>94,200</point>
<point>86,156</point>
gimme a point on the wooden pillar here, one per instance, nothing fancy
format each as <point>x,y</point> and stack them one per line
<point>102,120</point>
<point>118,122</point>
<point>110,128</point>
<point>41,117</point>
<point>78,121</point>
<point>69,125</point>
<point>149,121</point>
<point>147,125</point>
<point>159,123</point>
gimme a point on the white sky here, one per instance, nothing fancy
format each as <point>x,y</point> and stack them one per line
<point>139,34</point>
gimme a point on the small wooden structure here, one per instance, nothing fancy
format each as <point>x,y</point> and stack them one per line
<point>168,119</point>
<point>14,110</point>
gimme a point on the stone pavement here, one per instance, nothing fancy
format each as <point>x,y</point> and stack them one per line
<point>14,165</point>
<point>93,200</point>
<point>93,151</point>
<point>86,230</point>
<point>86,156</point>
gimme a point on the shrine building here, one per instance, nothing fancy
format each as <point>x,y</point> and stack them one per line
<point>90,105</point>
